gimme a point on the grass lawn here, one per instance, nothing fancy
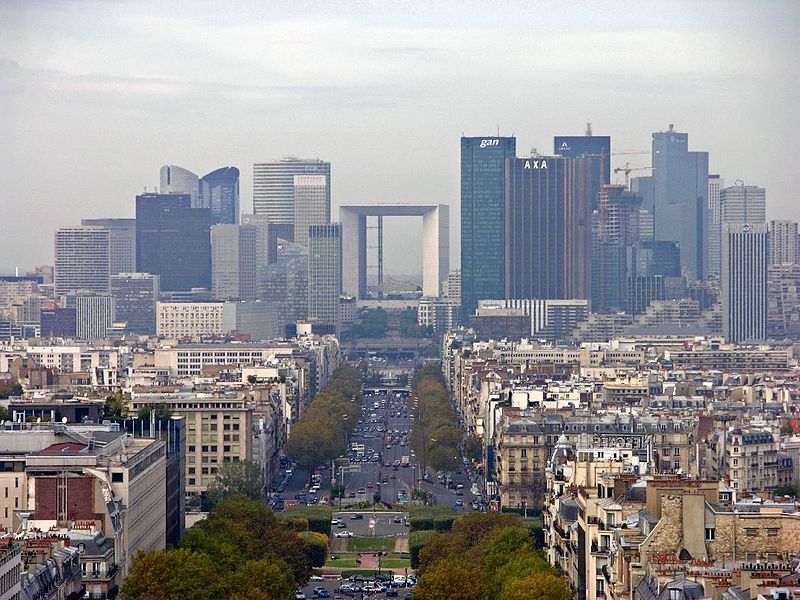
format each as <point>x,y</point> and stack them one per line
<point>342,563</point>
<point>395,563</point>
<point>360,544</point>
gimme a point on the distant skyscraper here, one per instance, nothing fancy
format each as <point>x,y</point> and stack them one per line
<point>483,218</point>
<point>173,241</point>
<point>782,242</point>
<point>654,270</point>
<point>714,244</point>
<point>177,180</point>
<point>94,314</point>
<point>82,260</point>
<point>617,228</point>
<point>285,283</point>
<point>219,192</point>
<point>324,272</point>
<point>123,242</point>
<point>135,296</point>
<point>233,262</point>
<point>58,321</point>
<point>744,281</point>
<point>311,205</point>
<point>597,147</point>
<point>273,186</point>
<point>548,236</point>
<point>681,198</point>
<point>743,204</point>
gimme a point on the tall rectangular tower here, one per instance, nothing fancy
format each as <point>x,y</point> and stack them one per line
<point>273,186</point>
<point>219,192</point>
<point>681,198</point>
<point>483,218</point>
<point>548,231</point>
<point>324,272</point>
<point>311,205</point>
<point>173,241</point>
<point>123,242</point>
<point>743,204</point>
<point>714,238</point>
<point>82,260</point>
<point>782,242</point>
<point>744,281</point>
<point>135,297</point>
<point>597,147</point>
<point>233,262</point>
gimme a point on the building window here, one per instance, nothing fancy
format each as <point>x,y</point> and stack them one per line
<point>710,534</point>
<point>751,531</point>
<point>117,477</point>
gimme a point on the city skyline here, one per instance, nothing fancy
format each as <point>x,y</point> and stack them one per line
<point>403,65</point>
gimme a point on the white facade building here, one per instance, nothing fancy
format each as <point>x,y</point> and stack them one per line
<point>177,180</point>
<point>194,319</point>
<point>82,260</point>
<point>714,240</point>
<point>744,281</point>
<point>273,185</point>
<point>311,205</point>
<point>782,242</point>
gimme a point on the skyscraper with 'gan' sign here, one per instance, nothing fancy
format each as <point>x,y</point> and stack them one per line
<point>483,218</point>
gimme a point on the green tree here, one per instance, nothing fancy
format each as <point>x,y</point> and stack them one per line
<point>263,579</point>
<point>10,389</point>
<point>450,579</point>
<point>239,478</point>
<point>316,547</point>
<point>174,574</point>
<point>116,406</point>
<point>541,585</point>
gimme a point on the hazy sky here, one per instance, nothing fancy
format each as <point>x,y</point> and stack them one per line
<point>96,96</point>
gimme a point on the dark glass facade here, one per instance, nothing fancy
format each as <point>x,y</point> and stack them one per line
<point>219,192</point>
<point>483,218</point>
<point>597,147</point>
<point>173,241</point>
<point>548,228</point>
<point>58,322</point>
<point>681,198</point>
<point>135,296</point>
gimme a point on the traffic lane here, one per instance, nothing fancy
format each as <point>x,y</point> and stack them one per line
<point>333,585</point>
<point>385,525</point>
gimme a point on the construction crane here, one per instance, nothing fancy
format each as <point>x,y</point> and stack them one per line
<point>603,155</point>
<point>627,169</point>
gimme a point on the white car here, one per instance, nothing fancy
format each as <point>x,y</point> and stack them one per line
<point>343,534</point>
<point>334,521</point>
<point>317,578</point>
<point>373,587</point>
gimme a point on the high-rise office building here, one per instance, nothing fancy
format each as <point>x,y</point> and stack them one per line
<point>714,233</point>
<point>94,314</point>
<point>597,147</point>
<point>654,273</point>
<point>173,241</point>
<point>681,198</point>
<point>324,272</point>
<point>135,296</point>
<point>743,204</point>
<point>311,205</point>
<point>744,281</point>
<point>123,242</point>
<point>219,192</point>
<point>617,229</point>
<point>548,228</point>
<point>82,260</point>
<point>782,242</point>
<point>483,218</point>
<point>177,180</point>
<point>233,262</point>
<point>58,321</point>
<point>783,311</point>
<point>285,283</point>
<point>273,186</point>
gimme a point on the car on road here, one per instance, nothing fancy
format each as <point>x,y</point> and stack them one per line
<point>357,517</point>
<point>316,578</point>
<point>341,525</point>
<point>322,592</point>
<point>373,587</point>
<point>459,503</point>
<point>362,491</point>
<point>343,534</point>
<point>349,588</point>
<point>398,519</point>
<point>334,521</point>
<point>298,595</point>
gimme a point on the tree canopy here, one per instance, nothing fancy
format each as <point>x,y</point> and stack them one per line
<point>435,436</point>
<point>240,551</point>
<point>238,478</point>
<point>486,557</point>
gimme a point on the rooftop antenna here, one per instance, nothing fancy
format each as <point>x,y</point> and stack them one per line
<point>589,129</point>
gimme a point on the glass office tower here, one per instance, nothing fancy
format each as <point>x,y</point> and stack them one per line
<point>483,218</point>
